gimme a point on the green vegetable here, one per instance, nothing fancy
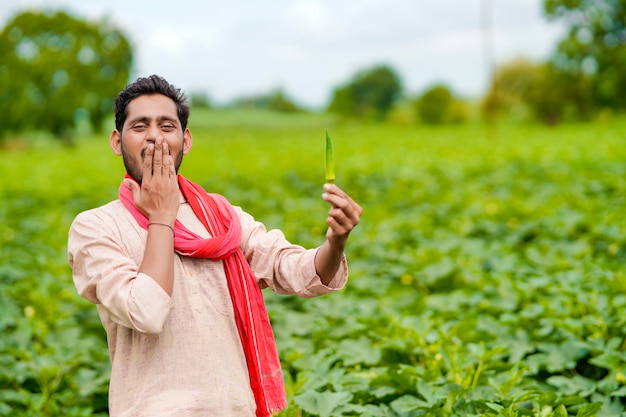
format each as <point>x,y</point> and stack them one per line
<point>330,160</point>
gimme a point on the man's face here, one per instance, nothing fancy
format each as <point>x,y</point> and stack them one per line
<point>149,117</point>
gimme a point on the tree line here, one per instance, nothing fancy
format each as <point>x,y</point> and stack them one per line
<point>585,77</point>
<point>58,71</point>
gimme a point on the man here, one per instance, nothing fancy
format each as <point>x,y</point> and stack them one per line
<point>176,274</point>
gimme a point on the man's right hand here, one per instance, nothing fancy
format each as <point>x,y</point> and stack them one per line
<point>158,197</point>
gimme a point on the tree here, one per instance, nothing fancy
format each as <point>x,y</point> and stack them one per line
<point>280,102</point>
<point>276,100</point>
<point>200,100</point>
<point>558,95</point>
<point>370,95</point>
<point>437,105</point>
<point>507,94</point>
<point>56,67</point>
<point>522,90</point>
<point>594,46</point>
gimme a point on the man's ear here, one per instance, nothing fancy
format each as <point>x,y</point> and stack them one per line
<point>116,142</point>
<point>187,141</point>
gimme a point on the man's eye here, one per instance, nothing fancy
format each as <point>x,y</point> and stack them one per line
<point>168,126</point>
<point>140,126</point>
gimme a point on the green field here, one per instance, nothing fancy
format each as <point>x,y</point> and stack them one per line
<point>488,273</point>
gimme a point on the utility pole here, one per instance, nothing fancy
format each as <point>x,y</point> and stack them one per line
<point>490,65</point>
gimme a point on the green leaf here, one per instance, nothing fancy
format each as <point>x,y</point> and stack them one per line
<point>407,404</point>
<point>359,351</point>
<point>323,404</point>
<point>425,390</point>
<point>494,406</point>
<point>560,411</point>
<point>576,385</point>
<point>589,410</point>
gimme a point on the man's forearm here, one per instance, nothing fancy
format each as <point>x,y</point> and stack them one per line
<point>327,261</point>
<point>158,258</point>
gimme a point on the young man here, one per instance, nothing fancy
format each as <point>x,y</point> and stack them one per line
<point>176,274</point>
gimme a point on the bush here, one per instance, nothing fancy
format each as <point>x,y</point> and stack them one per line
<point>369,96</point>
<point>437,106</point>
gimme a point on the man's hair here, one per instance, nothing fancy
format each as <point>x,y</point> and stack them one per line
<point>153,84</point>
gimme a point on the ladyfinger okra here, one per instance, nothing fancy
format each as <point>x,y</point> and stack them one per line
<point>330,160</point>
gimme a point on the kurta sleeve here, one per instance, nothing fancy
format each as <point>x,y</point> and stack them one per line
<point>282,266</point>
<point>106,274</point>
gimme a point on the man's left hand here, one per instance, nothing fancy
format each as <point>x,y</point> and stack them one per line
<point>343,215</point>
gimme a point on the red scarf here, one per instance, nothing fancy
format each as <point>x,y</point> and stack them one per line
<point>253,324</point>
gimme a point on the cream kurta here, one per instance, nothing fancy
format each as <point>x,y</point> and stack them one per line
<point>178,356</point>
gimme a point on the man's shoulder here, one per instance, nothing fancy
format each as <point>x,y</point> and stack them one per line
<point>108,211</point>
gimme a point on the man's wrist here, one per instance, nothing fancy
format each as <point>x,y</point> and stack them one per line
<point>161,225</point>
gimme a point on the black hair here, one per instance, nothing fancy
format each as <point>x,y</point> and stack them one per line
<point>153,84</point>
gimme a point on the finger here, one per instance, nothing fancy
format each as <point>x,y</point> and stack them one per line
<point>344,219</point>
<point>134,188</point>
<point>341,201</point>
<point>348,216</point>
<point>337,228</point>
<point>358,210</point>
<point>332,189</point>
<point>344,210</point>
<point>333,198</point>
<point>147,162</point>
<point>167,160</point>
<point>157,162</point>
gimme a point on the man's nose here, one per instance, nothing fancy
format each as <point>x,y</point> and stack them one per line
<point>152,133</point>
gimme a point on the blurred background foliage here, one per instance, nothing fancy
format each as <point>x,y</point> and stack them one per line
<point>594,48</point>
<point>59,72</point>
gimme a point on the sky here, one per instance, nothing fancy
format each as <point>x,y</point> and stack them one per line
<point>307,48</point>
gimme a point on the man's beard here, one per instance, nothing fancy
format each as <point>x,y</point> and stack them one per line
<point>134,168</point>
